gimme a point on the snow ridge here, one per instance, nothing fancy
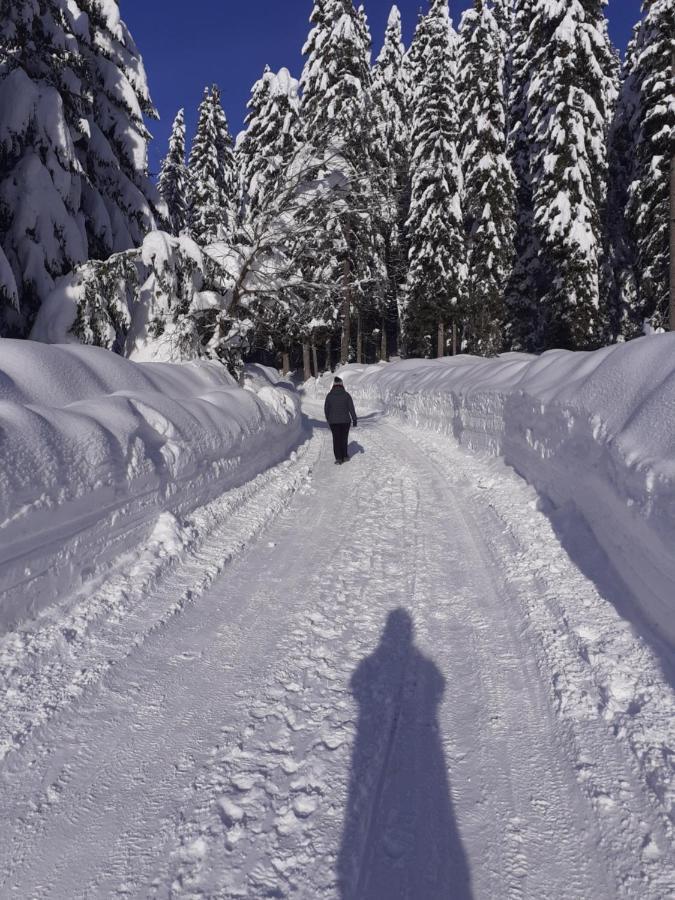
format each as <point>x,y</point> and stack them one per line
<point>591,431</point>
<point>96,448</point>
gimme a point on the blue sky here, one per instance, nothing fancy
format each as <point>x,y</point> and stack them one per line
<point>188,45</point>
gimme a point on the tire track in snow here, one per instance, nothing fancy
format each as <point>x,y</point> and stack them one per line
<point>46,675</point>
<point>520,542</point>
<point>47,664</point>
<point>226,773</point>
<point>273,859</point>
<point>299,734</point>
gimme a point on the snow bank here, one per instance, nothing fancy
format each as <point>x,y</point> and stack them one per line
<point>95,449</point>
<point>594,431</point>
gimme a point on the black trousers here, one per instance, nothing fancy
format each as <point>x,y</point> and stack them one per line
<point>340,440</point>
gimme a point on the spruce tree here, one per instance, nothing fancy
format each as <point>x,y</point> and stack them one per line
<point>268,158</point>
<point>649,112</point>
<point>489,182</point>
<point>212,175</point>
<point>391,156</point>
<point>272,140</point>
<point>227,163</point>
<point>42,102</point>
<point>312,74</point>
<point>73,146</point>
<point>120,201</point>
<point>437,269</point>
<point>335,107</point>
<point>570,106</point>
<point>523,288</point>
<point>173,182</point>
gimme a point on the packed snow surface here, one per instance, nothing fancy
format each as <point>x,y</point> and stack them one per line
<point>405,678</point>
<point>593,432</point>
<point>93,448</point>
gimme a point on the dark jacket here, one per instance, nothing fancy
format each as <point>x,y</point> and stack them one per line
<point>339,406</point>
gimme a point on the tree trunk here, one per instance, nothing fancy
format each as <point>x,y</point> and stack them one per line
<point>440,350</point>
<point>285,362</point>
<point>672,224</point>
<point>315,360</point>
<point>346,314</point>
<point>306,365</point>
<point>454,338</point>
<point>359,339</point>
<point>329,366</point>
<point>384,350</point>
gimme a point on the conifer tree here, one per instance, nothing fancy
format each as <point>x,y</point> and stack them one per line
<point>522,289</point>
<point>312,74</point>
<point>489,183</point>
<point>73,145</point>
<point>437,270</point>
<point>504,13</point>
<point>212,175</point>
<point>391,156</point>
<point>335,107</point>
<point>42,232</point>
<point>269,159</point>
<point>649,112</point>
<point>119,199</point>
<point>272,140</point>
<point>570,106</point>
<point>173,182</point>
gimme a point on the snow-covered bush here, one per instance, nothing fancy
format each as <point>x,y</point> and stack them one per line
<point>172,300</point>
<point>166,300</point>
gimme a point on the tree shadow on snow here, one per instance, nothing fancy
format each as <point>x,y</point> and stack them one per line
<point>400,836</point>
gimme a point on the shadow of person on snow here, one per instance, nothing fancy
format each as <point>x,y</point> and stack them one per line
<point>400,836</point>
<point>355,448</point>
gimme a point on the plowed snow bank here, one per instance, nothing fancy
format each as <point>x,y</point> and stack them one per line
<point>95,449</point>
<point>592,430</point>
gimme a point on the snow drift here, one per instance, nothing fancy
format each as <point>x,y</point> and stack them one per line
<point>95,451</point>
<point>592,431</point>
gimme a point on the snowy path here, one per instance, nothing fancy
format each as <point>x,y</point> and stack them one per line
<point>256,718</point>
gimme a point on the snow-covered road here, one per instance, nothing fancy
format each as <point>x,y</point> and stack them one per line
<point>379,681</point>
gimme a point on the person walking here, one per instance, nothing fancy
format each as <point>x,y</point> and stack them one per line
<point>340,414</point>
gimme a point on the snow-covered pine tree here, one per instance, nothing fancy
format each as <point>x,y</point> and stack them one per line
<point>312,74</point>
<point>173,181</point>
<point>268,155</point>
<point>73,146</point>
<point>272,140</point>
<point>504,13</point>
<point>437,267</point>
<point>650,111</point>
<point>570,107</point>
<point>335,107</point>
<point>226,159</point>
<point>212,175</point>
<point>391,155</point>
<point>42,108</point>
<point>120,202</point>
<point>523,287</point>
<point>621,265</point>
<point>489,183</point>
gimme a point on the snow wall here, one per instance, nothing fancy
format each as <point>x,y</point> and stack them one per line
<point>593,431</point>
<point>94,449</point>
